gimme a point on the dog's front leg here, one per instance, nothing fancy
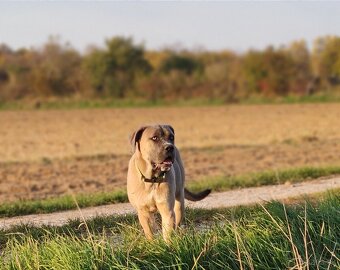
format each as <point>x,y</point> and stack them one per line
<point>146,219</point>
<point>168,220</point>
<point>179,210</point>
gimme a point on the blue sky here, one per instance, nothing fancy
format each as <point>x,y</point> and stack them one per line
<point>210,25</point>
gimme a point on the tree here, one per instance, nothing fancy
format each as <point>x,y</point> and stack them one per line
<point>268,72</point>
<point>301,70</point>
<point>54,69</point>
<point>15,68</point>
<point>326,59</point>
<point>114,69</point>
<point>180,63</point>
<point>221,76</point>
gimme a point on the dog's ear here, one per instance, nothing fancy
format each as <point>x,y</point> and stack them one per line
<point>135,137</point>
<point>170,128</point>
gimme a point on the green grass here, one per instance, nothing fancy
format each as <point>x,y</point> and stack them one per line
<point>65,202</point>
<point>74,103</point>
<point>263,178</point>
<point>322,97</point>
<point>275,236</point>
<point>217,184</point>
<point>61,104</point>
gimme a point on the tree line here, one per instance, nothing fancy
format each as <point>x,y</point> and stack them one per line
<point>123,69</point>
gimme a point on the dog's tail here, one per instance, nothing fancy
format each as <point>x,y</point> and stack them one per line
<point>196,196</point>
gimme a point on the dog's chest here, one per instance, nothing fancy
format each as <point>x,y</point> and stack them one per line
<point>156,194</point>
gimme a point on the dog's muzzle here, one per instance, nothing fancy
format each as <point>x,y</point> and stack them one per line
<point>166,164</point>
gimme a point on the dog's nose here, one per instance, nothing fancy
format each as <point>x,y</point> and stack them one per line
<point>169,148</point>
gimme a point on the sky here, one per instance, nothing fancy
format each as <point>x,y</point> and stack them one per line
<point>237,26</point>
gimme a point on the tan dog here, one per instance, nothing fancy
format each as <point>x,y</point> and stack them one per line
<point>155,179</point>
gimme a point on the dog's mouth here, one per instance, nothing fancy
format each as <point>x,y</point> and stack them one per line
<point>165,165</point>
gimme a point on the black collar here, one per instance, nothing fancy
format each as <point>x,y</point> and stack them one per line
<point>159,179</point>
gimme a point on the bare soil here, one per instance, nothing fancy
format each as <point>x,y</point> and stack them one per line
<point>50,153</point>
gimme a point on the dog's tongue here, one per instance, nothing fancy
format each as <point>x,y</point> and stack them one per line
<point>168,161</point>
<point>166,165</point>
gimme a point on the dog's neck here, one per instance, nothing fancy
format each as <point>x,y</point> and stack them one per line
<point>147,171</point>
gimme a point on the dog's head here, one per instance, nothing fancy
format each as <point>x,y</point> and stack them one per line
<point>156,146</point>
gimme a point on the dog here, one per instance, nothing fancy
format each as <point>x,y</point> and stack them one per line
<point>155,179</point>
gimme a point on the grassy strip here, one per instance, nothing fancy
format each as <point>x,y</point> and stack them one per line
<point>217,184</point>
<point>62,104</point>
<point>72,103</point>
<point>263,178</point>
<point>61,203</point>
<point>303,236</point>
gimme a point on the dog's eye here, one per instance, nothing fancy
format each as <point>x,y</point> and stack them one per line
<point>154,138</point>
<point>171,138</point>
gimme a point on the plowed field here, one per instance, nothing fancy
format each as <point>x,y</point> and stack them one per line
<point>49,153</point>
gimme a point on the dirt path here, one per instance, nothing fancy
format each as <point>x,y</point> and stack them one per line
<point>224,199</point>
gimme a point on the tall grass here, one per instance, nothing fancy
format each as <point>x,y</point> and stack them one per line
<point>217,184</point>
<point>274,236</point>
